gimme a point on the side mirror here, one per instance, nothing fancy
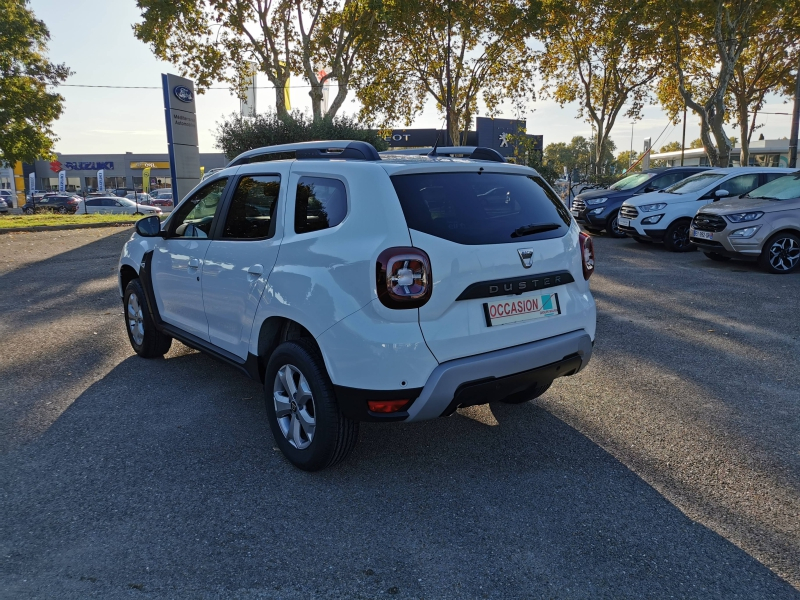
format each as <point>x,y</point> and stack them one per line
<point>721,193</point>
<point>149,226</point>
<point>650,188</point>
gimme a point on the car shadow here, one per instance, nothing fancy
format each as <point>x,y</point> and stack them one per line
<point>162,477</point>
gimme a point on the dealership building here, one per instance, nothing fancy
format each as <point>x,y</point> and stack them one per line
<point>120,170</point>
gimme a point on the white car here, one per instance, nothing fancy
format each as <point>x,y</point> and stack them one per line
<point>665,215</point>
<point>365,288</point>
<point>115,205</point>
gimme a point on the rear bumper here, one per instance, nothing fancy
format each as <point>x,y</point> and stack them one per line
<point>479,379</point>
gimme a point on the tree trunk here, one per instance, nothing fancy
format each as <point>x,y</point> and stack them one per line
<point>744,133</point>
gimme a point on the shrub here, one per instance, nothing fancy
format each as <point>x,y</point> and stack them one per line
<point>237,134</point>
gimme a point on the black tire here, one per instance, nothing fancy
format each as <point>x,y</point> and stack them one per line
<point>676,238</point>
<point>522,397</point>
<point>334,435</point>
<point>27,210</point>
<point>641,240</point>
<point>781,254</point>
<point>62,210</point>
<point>137,213</point>
<point>717,257</point>
<point>154,343</point>
<point>612,228</point>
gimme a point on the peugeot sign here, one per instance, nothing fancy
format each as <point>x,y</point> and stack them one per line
<point>183,93</point>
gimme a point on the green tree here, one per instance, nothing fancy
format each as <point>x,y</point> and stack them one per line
<point>765,67</point>
<point>27,108</point>
<point>599,54</point>
<point>236,134</point>
<point>703,41</point>
<point>578,155</point>
<point>698,143</point>
<point>671,147</point>
<point>625,160</point>
<point>475,49</point>
<point>214,40</point>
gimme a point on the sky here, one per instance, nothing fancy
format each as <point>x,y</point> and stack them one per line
<point>95,39</point>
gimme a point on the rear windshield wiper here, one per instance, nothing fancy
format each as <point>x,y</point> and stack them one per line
<point>534,228</point>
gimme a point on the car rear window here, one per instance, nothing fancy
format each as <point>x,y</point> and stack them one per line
<point>481,208</point>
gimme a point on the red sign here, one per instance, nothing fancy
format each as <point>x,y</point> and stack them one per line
<point>55,166</point>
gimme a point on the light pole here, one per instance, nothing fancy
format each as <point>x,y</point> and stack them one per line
<point>449,98</point>
<point>630,156</point>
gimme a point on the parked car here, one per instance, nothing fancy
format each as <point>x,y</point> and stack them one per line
<point>139,197</point>
<point>598,210</point>
<point>54,203</point>
<point>161,192</point>
<point>665,216</point>
<point>163,200</point>
<point>405,287</point>
<point>116,205</point>
<point>762,225</point>
<point>8,196</point>
<point>3,205</point>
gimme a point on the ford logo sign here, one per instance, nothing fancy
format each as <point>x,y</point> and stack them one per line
<point>183,93</point>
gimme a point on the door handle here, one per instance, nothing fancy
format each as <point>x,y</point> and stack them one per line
<point>194,263</point>
<point>255,271</point>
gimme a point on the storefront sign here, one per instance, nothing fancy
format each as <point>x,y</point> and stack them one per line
<point>181,120</point>
<point>101,181</point>
<point>88,166</point>
<point>62,181</point>
<point>31,182</point>
<point>146,180</point>
<point>153,164</point>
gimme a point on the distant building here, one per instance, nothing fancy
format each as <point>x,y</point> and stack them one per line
<point>763,153</point>
<point>120,170</point>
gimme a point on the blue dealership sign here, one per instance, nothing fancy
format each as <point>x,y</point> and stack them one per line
<point>183,93</point>
<point>88,166</point>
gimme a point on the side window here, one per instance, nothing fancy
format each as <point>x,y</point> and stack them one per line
<point>742,184</point>
<point>109,202</point>
<point>194,217</point>
<point>320,203</point>
<point>94,202</point>
<point>667,180</point>
<point>771,176</point>
<point>252,210</point>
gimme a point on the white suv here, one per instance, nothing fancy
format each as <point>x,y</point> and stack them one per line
<point>366,288</point>
<point>665,215</point>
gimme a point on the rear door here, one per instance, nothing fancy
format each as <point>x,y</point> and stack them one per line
<point>505,262</point>
<point>242,254</point>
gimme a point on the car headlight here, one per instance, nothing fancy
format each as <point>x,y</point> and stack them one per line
<point>595,201</point>
<point>596,211</point>
<point>745,233</point>
<point>651,220</point>
<point>652,207</point>
<point>744,217</point>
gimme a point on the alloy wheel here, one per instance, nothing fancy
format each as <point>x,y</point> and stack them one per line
<point>784,254</point>
<point>615,227</point>
<point>680,237</point>
<point>135,319</point>
<point>294,407</point>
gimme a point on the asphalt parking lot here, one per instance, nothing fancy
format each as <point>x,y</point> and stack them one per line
<point>669,468</point>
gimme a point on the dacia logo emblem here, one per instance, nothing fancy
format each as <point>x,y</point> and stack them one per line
<point>526,256</point>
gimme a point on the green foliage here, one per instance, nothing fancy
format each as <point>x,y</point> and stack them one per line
<point>236,134</point>
<point>27,108</point>
<point>579,155</point>
<point>698,143</point>
<point>600,55</point>
<point>624,160</point>
<point>489,60</point>
<point>214,40</point>
<point>671,147</point>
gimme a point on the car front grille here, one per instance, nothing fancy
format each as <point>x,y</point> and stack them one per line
<point>628,212</point>
<point>706,222</point>
<point>578,204</point>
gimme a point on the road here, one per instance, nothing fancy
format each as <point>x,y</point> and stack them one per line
<point>669,468</point>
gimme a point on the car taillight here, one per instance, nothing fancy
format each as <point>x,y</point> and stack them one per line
<point>404,277</point>
<point>587,254</point>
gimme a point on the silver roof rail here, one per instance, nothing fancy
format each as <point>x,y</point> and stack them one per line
<point>473,152</point>
<point>336,149</point>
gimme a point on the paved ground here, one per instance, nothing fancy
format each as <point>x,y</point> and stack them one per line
<point>667,469</point>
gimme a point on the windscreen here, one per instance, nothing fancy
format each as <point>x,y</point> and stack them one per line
<point>695,183</point>
<point>631,181</point>
<point>481,208</point>
<point>782,188</point>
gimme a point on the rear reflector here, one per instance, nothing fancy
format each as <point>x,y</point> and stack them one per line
<point>387,406</point>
